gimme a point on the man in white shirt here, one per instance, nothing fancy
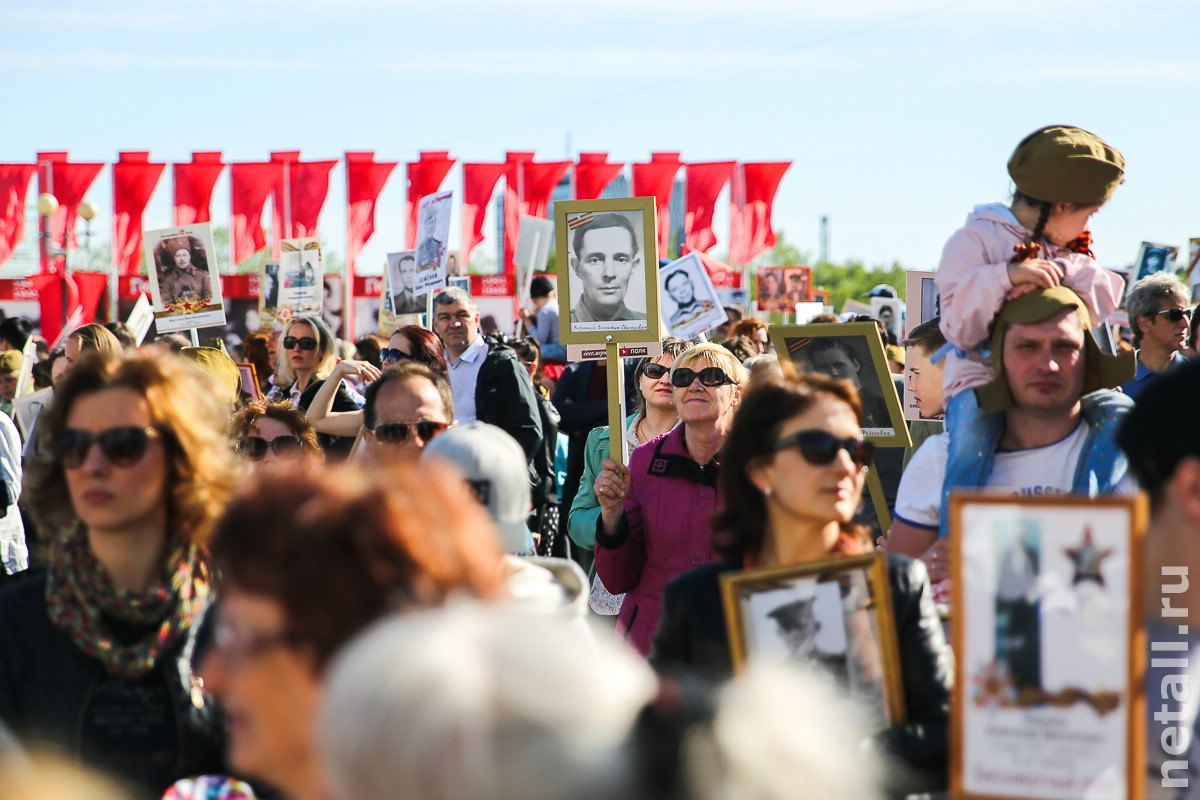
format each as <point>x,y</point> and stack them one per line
<point>1046,361</point>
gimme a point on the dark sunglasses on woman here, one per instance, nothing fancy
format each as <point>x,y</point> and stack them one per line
<point>712,377</point>
<point>398,432</point>
<point>820,448</point>
<point>1175,314</point>
<point>391,355</point>
<point>121,447</point>
<point>255,448</point>
<point>304,343</point>
<point>655,371</point>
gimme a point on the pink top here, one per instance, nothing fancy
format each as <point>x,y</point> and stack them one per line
<point>972,279</point>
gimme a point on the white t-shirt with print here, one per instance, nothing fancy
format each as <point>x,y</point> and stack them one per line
<point>1048,470</point>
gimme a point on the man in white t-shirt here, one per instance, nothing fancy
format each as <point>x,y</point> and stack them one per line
<point>1046,361</point>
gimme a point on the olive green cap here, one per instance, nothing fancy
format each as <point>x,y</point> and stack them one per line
<point>10,362</point>
<point>1063,164</point>
<point>217,364</point>
<point>1104,371</point>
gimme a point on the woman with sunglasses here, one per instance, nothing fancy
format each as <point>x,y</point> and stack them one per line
<point>408,343</point>
<point>132,468</point>
<point>654,514</point>
<point>307,359</point>
<point>654,415</point>
<point>792,474</point>
<point>271,431</point>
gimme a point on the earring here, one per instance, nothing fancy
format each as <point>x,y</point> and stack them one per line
<point>766,490</point>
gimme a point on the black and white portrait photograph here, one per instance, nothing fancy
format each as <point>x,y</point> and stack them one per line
<point>852,351</point>
<point>889,311</point>
<point>433,234</point>
<point>689,301</point>
<point>611,275</point>
<point>184,279</point>
<point>301,277</point>
<point>401,277</point>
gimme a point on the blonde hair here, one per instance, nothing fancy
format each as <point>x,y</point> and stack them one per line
<point>713,355</point>
<point>326,345</point>
<point>185,406</point>
<point>94,336</point>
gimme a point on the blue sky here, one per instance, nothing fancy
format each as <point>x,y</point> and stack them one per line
<point>899,115</point>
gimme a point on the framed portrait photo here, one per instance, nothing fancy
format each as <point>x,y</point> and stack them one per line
<point>889,311</point>
<point>1152,257</point>
<point>689,300</point>
<point>834,616</point>
<point>1049,639</point>
<point>607,255</point>
<point>922,301</point>
<point>249,380</point>
<point>185,284</point>
<point>778,289</point>
<point>854,351</point>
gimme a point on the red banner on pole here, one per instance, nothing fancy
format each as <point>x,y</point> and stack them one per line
<point>593,174</point>
<point>365,179</point>
<point>134,179</point>
<point>68,183</point>
<point>479,183</point>
<point>657,179</point>
<point>194,184</point>
<point>752,203</point>
<point>528,193</point>
<point>249,185</point>
<point>704,184</point>
<point>14,183</point>
<point>425,177</point>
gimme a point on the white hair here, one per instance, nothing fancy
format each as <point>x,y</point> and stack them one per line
<point>778,728</point>
<point>480,703</point>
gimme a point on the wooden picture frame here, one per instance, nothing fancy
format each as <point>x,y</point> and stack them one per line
<point>634,301</point>
<point>828,614</point>
<point>850,350</point>
<point>249,380</point>
<point>1050,641</point>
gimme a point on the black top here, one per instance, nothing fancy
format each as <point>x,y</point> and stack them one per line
<point>337,448</point>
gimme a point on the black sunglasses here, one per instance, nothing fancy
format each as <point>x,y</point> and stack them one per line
<point>820,448</point>
<point>390,355</point>
<point>121,447</point>
<point>655,371</point>
<point>398,432</point>
<point>255,448</point>
<point>682,377</point>
<point>304,343</point>
<point>1175,314</point>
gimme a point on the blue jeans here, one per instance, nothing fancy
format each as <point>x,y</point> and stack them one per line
<point>974,437</point>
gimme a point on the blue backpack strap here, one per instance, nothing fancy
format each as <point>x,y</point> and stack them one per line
<point>1103,465</point>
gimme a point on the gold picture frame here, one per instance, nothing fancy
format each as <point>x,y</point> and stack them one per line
<point>780,613</point>
<point>1049,636</point>
<point>588,299</point>
<point>850,350</point>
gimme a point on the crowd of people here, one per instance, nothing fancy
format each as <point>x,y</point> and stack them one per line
<point>412,568</point>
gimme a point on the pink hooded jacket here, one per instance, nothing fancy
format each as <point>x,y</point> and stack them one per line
<point>972,279</point>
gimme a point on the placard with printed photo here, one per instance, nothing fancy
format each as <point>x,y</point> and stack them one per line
<point>889,311</point>
<point>1152,258</point>
<point>833,616</point>
<point>268,295</point>
<point>433,234</point>
<point>922,301</point>
<point>607,270</point>
<point>1049,642</point>
<point>301,279</point>
<point>690,304</point>
<point>185,284</point>
<point>854,351</point>
<point>778,289</point>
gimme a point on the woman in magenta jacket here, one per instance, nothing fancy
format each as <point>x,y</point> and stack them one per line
<point>655,514</point>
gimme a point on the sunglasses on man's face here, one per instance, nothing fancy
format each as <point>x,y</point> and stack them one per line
<point>304,343</point>
<point>820,448</point>
<point>399,432</point>
<point>390,355</point>
<point>712,377</point>
<point>1175,314</point>
<point>121,447</point>
<point>655,371</point>
<point>254,448</point>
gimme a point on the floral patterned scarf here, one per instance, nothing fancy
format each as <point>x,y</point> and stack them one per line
<point>80,594</point>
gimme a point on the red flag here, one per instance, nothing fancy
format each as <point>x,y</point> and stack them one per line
<point>704,184</point>
<point>752,204</point>
<point>296,210</point>
<point>479,183</point>
<point>91,287</point>
<point>249,185</point>
<point>194,187</point>
<point>657,179</point>
<point>514,195</point>
<point>14,183</point>
<point>529,187</point>
<point>68,183</point>
<point>364,181</point>
<point>425,177</point>
<point>593,174</point>
<point>134,179</point>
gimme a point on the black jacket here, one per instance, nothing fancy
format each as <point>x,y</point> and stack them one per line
<point>51,692</point>
<point>692,638</point>
<point>337,448</point>
<point>504,397</point>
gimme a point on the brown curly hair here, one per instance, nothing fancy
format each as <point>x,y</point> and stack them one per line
<point>184,406</point>
<point>243,422</point>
